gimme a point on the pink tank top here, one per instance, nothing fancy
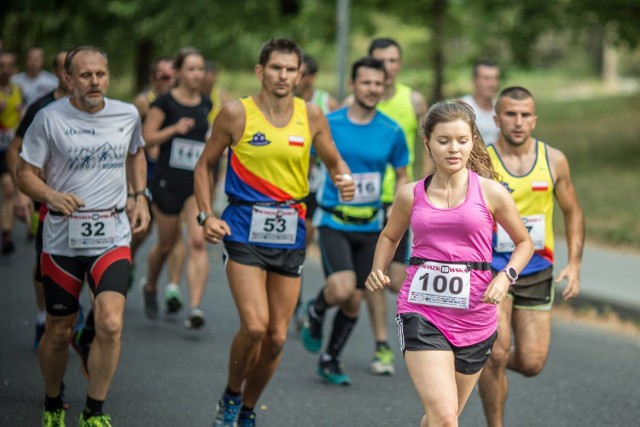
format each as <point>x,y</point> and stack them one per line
<point>448,295</point>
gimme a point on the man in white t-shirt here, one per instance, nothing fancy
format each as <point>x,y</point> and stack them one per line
<point>486,82</point>
<point>77,156</point>
<point>34,81</point>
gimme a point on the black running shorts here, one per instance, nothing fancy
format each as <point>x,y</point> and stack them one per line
<point>288,262</point>
<point>347,251</point>
<point>418,334</point>
<point>62,277</point>
<point>534,291</point>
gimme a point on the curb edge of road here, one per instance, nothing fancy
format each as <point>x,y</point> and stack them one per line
<point>586,301</point>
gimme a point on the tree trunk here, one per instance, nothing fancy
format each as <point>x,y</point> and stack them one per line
<point>438,27</point>
<point>144,56</point>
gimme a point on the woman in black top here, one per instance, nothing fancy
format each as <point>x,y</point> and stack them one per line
<point>177,121</point>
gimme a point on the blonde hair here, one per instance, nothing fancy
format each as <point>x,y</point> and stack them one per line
<point>451,110</point>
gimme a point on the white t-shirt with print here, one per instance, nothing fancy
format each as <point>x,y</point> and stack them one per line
<point>84,154</point>
<point>484,120</point>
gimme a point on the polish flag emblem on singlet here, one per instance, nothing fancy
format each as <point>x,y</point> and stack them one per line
<point>539,186</point>
<point>297,141</point>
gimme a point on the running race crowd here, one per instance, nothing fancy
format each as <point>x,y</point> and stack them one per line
<point>466,242</point>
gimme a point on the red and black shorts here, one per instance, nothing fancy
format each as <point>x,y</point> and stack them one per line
<point>62,277</point>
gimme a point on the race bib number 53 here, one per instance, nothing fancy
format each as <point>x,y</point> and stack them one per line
<point>92,229</point>
<point>273,225</point>
<point>441,285</point>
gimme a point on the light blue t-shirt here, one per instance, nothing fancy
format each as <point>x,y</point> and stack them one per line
<point>367,149</point>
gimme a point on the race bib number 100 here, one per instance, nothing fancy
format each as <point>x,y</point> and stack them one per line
<point>273,225</point>
<point>92,229</point>
<point>441,285</point>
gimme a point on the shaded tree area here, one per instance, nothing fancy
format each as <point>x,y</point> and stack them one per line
<point>134,31</point>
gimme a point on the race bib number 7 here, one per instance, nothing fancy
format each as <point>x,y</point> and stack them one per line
<point>92,229</point>
<point>535,224</point>
<point>441,285</point>
<point>273,225</point>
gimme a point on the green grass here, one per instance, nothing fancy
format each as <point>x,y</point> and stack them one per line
<point>600,137</point>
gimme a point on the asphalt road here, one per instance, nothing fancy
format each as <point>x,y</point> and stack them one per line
<point>169,376</point>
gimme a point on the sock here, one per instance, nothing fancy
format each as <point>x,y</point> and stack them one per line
<point>53,403</point>
<point>246,412</point>
<point>342,328</point>
<point>320,305</point>
<point>380,345</point>
<point>92,407</point>
<point>232,393</point>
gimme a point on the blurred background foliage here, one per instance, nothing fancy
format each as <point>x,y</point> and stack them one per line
<point>580,58</point>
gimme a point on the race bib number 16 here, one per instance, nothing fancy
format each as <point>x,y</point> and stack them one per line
<point>441,285</point>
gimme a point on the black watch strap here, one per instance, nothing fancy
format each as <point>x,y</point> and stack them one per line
<point>145,193</point>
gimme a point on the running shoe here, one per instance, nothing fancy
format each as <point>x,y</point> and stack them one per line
<point>172,298</point>
<point>195,319</point>
<point>247,419</point>
<point>227,411</point>
<point>330,370</point>
<point>382,363</point>
<point>102,420</point>
<point>39,334</point>
<point>149,301</point>
<point>311,333</point>
<point>7,246</point>
<point>53,418</point>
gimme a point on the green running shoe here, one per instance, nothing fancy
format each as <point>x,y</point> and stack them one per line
<point>382,363</point>
<point>102,420</point>
<point>53,418</point>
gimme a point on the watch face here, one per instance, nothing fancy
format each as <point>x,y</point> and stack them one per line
<point>513,275</point>
<point>202,216</point>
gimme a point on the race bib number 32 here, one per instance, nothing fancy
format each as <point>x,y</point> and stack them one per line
<point>441,285</point>
<point>92,229</point>
<point>273,225</point>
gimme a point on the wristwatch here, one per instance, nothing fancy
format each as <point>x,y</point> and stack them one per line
<point>203,216</point>
<point>512,274</point>
<point>146,193</point>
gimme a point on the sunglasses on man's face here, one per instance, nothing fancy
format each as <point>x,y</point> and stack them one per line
<point>165,78</point>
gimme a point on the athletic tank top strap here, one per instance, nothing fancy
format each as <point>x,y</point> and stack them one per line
<point>400,108</point>
<point>459,234</point>
<point>283,177</point>
<point>533,194</point>
<point>321,99</point>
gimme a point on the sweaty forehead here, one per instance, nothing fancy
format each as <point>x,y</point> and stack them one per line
<point>285,59</point>
<point>93,61</point>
